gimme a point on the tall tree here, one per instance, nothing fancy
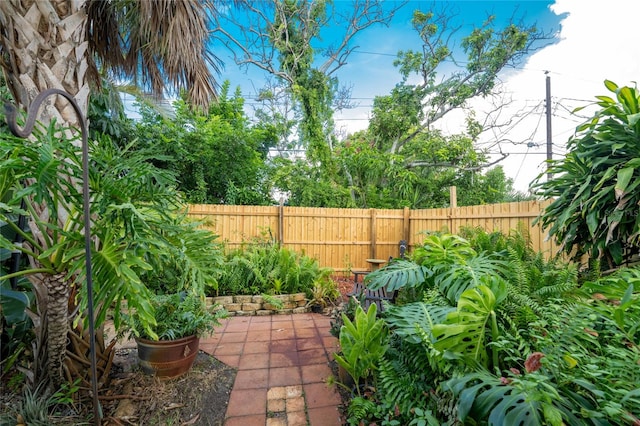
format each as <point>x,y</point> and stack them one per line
<point>283,38</point>
<point>413,108</point>
<point>217,157</point>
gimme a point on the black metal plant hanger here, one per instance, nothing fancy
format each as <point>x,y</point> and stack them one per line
<point>11,113</point>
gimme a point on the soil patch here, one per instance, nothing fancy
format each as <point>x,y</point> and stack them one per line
<point>199,397</point>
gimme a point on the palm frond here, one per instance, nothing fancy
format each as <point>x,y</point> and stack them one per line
<point>157,42</point>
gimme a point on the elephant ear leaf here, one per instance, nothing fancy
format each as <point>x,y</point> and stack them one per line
<point>463,331</point>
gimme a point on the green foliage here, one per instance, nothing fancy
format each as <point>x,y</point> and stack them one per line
<point>463,330</point>
<point>363,341</point>
<point>106,114</point>
<point>522,344</point>
<point>404,377</point>
<point>175,316</point>
<point>139,227</point>
<point>407,320</point>
<point>307,185</point>
<point>588,369</point>
<point>323,292</point>
<point>17,328</point>
<point>263,266</point>
<point>41,407</point>
<point>595,186</point>
<point>398,274</point>
<point>417,176</point>
<point>488,50</point>
<point>217,157</point>
<point>524,401</point>
<point>360,408</point>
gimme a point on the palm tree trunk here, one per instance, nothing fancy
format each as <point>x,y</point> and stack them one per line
<point>57,326</point>
<point>46,47</point>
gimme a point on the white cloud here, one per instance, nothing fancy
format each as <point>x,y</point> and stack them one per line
<point>597,41</point>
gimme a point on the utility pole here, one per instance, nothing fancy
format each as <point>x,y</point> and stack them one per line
<point>549,141</point>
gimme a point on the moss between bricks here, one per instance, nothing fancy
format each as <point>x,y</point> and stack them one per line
<point>245,305</point>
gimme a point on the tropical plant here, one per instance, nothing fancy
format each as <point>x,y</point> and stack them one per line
<point>323,293</point>
<point>528,400</point>
<point>584,370</point>
<point>168,45</point>
<point>508,317</point>
<point>176,315</point>
<point>263,266</point>
<point>16,326</point>
<point>42,407</point>
<point>404,378</point>
<point>595,186</point>
<point>363,341</point>
<point>138,223</point>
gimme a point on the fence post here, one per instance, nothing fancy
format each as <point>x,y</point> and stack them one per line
<point>373,233</point>
<point>406,227</point>
<point>453,205</point>
<point>281,223</point>
<point>453,197</point>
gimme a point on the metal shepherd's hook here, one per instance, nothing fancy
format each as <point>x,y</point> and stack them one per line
<point>11,113</point>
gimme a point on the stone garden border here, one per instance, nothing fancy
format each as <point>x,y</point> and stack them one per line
<point>257,305</point>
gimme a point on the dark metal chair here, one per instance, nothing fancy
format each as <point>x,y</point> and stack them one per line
<point>367,296</point>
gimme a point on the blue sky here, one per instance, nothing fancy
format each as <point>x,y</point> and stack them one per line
<point>594,40</point>
<point>370,69</point>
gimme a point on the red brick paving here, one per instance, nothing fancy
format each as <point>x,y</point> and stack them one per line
<point>271,352</point>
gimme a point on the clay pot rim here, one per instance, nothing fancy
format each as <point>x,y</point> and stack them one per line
<point>172,341</point>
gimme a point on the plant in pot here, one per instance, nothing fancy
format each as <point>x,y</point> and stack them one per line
<point>180,264</point>
<point>168,346</point>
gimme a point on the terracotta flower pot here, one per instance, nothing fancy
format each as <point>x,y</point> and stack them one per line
<point>167,358</point>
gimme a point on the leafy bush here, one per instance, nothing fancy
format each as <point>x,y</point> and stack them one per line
<point>176,315</point>
<point>363,341</point>
<point>595,187</point>
<point>262,266</point>
<point>504,336</point>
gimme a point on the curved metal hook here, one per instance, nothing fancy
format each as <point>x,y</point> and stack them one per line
<point>32,114</point>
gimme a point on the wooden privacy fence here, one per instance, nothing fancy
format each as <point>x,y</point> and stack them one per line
<point>343,239</point>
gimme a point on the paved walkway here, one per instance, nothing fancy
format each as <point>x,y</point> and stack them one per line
<point>282,363</point>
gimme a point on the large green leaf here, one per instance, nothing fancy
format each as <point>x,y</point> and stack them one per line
<point>406,319</point>
<point>463,331</point>
<point>398,274</point>
<point>454,279</point>
<point>624,177</point>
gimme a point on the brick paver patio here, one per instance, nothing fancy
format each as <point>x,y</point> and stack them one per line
<point>283,366</point>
